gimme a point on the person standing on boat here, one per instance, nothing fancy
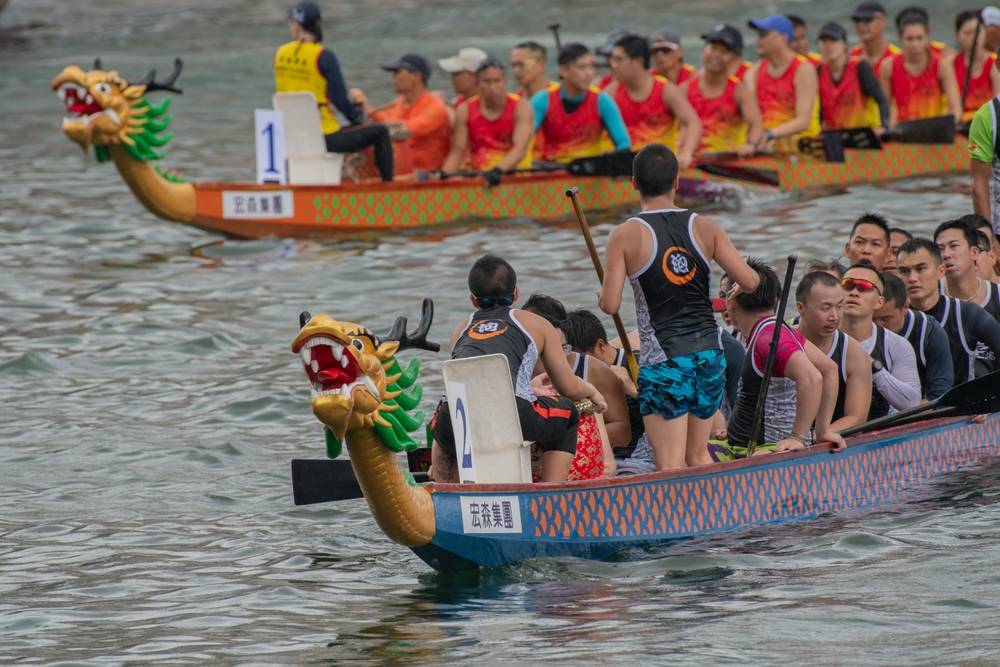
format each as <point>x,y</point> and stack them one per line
<point>869,22</point>
<point>667,57</point>
<point>926,337</point>
<point>984,83</point>
<point>849,91</point>
<point>461,69</point>
<point>895,380</point>
<point>960,246</point>
<point>973,335</point>
<point>666,252</point>
<point>575,118</point>
<point>984,160</point>
<point>654,110</point>
<point>800,39</point>
<point>869,241</point>
<point>305,65</point>
<point>524,338</point>
<point>803,389</point>
<point>819,299</point>
<point>785,85</point>
<point>919,82</point>
<point>493,127</point>
<point>727,108</point>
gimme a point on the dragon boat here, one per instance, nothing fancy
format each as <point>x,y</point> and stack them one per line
<point>363,396</point>
<point>114,117</point>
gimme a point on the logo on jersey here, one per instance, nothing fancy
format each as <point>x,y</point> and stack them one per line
<point>486,329</point>
<point>679,266</point>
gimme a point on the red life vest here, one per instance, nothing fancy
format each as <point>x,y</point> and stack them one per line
<point>566,137</point>
<point>491,140</point>
<point>890,51</point>
<point>843,103</point>
<point>605,81</point>
<point>919,96</point>
<point>742,70</point>
<point>723,126</point>
<point>980,87</point>
<point>648,121</point>
<point>776,96</point>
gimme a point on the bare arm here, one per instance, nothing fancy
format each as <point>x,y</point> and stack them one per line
<point>857,400</point>
<point>609,297</point>
<point>950,84</point>
<point>524,124</point>
<point>808,385</point>
<point>717,245</point>
<point>806,90</point>
<point>554,361</point>
<point>828,397</point>
<point>459,140</point>
<point>751,113</point>
<point>982,173</point>
<point>616,419</point>
<point>885,78</point>
<point>676,101</point>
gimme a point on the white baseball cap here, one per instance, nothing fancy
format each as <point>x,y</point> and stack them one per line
<point>467,60</point>
<point>990,16</point>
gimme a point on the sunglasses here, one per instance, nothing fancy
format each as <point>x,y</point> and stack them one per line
<point>518,64</point>
<point>862,285</point>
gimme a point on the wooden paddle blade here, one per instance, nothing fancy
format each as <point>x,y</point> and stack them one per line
<point>323,481</point>
<point>937,130</point>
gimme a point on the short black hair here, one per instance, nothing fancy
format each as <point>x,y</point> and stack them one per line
<point>827,265</point>
<point>534,47</point>
<point>900,230</point>
<point>912,16</point>
<point>765,296</point>
<point>970,233</point>
<point>572,52</point>
<point>490,63</point>
<point>872,219</point>
<point>920,243</point>
<point>546,306</point>
<point>583,330</point>
<point>492,276</point>
<point>976,220</point>
<point>812,279</point>
<point>965,15</point>
<point>868,266</point>
<point>654,169</point>
<point>797,21</point>
<point>634,47</point>
<point>895,290</point>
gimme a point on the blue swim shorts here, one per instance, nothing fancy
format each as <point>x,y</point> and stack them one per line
<point>691,383</point>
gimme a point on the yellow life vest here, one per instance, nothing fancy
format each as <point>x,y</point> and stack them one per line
<point>296,70</point>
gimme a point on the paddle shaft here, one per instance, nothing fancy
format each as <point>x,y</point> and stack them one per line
<point>971,60</point>
<point>554,27</point>
<point>779,322</point>
<point>595,258</point>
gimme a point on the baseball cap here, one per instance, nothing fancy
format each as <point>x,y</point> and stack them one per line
<point>726,35</point>
<point>833,30</point>
<point>467,60</point>
<point>777,22</point>
<point>866,11</point>
<point>305,13</point>
<point>413,62</point>
<point>609,43</point>
<point>990,16</point>
<point>665,38</point>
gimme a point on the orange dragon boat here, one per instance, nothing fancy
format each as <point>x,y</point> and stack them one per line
<point>107,113</point>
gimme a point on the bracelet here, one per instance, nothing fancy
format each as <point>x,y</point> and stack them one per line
<point>796,436</point>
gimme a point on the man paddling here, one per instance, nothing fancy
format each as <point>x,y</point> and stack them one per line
<point>305,65</point>
<point>869,241</point>
<point>727,107</point>
<point>800,39</point>
<point>849,91</point>
<point>987,263</point>
<point>461,69</point>
<point>897,237</point>
<point>574,118</point>
<point>870,20</point>
<point>959,243</point>
<point>785,85</point>
<point>984,81</point>
<point>524,338</point>
<point>973,335</point>
<point>819,300</point>
<point>926,337</point>
<point>493,127</point>
<point>527,63</point>
<point>666,252</point>
<point>668,56</point>
<point>654,109</point>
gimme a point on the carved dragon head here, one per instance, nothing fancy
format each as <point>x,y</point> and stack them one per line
<point>356,381</point>
<point>103,109</point>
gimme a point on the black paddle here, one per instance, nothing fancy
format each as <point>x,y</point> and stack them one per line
<point>326,480</point>
<point>616,163</point>
<point>779,323</point>
<point>554,27</point>
<point>937,130</point>
<point>975,397</point>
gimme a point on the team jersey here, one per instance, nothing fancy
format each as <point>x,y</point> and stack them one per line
<point>491,140</point>
<point>672,304</point>
<point>814,58</point>
<point>648,121</point>
<point>974,337</point>
<point>980,89</point>
<point>844,103</point>
<point>918,96</point>
<point>296,69</point>
<point>723,127</point>
<point>838,353</point>
<point>879,405</point>
<point>742,69</point>
<point>984,146</point>
<point>933,352</point>
<point>776,96</point>
<point>497,331</point>
<point>890,51</point>
<point>580,132</point>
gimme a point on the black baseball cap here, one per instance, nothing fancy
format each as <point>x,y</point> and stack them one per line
<point>726,35</point>
<point>866,11</point>
<point>609,44</point>
<point>833,30</point>
<point>413,62</point>
<point>305,12</point>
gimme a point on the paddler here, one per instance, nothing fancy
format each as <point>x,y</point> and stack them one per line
<point>919,82</point>
<point>667,56</point>
<point>869,22</point>
<point>665,252</point>
<point>984,83</point>
<point>654,109</point>
<point>785,85</point>
<point>990,17</point>
<point>800,41</point>
<point>494,127</point>
<point>849,91</point>
<point>305,65</point>
<point>527,64</point>
<point>984,163</point>
<point>575,119</point>
<point>462,68</point>
<point>727,108</point>
<point>960,245</point>
<point>604,50</point>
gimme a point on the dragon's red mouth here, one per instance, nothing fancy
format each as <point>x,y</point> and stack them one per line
<point>78,102</point>
<point>331,368</point>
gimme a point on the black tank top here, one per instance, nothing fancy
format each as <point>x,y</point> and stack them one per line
<point>992,305</point>
<point>915,329</point>
<point>497,331</point>
<point>838,353</point>
<point>581,366</point>
<point>879,406</point>
<point>672,303</point>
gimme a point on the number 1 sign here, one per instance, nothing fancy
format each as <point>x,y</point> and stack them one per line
<point>269,130</point>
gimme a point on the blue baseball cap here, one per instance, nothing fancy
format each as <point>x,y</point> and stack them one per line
<point>778,22</point>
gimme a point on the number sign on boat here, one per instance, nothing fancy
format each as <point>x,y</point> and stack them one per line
<point>269,131</point>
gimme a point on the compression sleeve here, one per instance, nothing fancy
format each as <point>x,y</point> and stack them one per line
<point>940,369</point>
<point>336,90</point>
<point>899,382</point>
<point>871,87</point>
<point>540,104</point>
<point>611,115</point>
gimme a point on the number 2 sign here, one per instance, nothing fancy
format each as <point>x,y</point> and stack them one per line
<point>269,131</point>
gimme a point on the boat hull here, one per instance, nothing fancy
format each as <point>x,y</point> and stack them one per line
<point>597,519</point>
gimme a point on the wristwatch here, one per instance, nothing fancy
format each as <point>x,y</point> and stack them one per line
<point>768,135</point>
<point>876,366</point>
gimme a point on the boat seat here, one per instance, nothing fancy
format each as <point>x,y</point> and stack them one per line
<point>488,441</point>
<point>309,163</point>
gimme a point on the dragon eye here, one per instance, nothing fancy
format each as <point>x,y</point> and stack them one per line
<point>103,88</point>
<point>358,345</point>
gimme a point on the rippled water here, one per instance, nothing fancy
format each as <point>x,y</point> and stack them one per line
<point>149,404</point>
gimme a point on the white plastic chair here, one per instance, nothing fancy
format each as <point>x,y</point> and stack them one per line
<point>309,163</point>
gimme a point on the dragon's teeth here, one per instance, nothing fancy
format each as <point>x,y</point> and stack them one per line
<point>306,355</point>
<point>371,386</point>
<point>314,365</point>
<point>337,352</point>
<point>343,361</point>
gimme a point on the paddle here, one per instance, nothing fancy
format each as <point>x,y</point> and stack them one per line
<point>978,396</point>
<point>617,163</point>
<point>779,323</point>
<point>969,61</point>
<point>633,366</point>
<point>937,130</point>
<point>554,27</point>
